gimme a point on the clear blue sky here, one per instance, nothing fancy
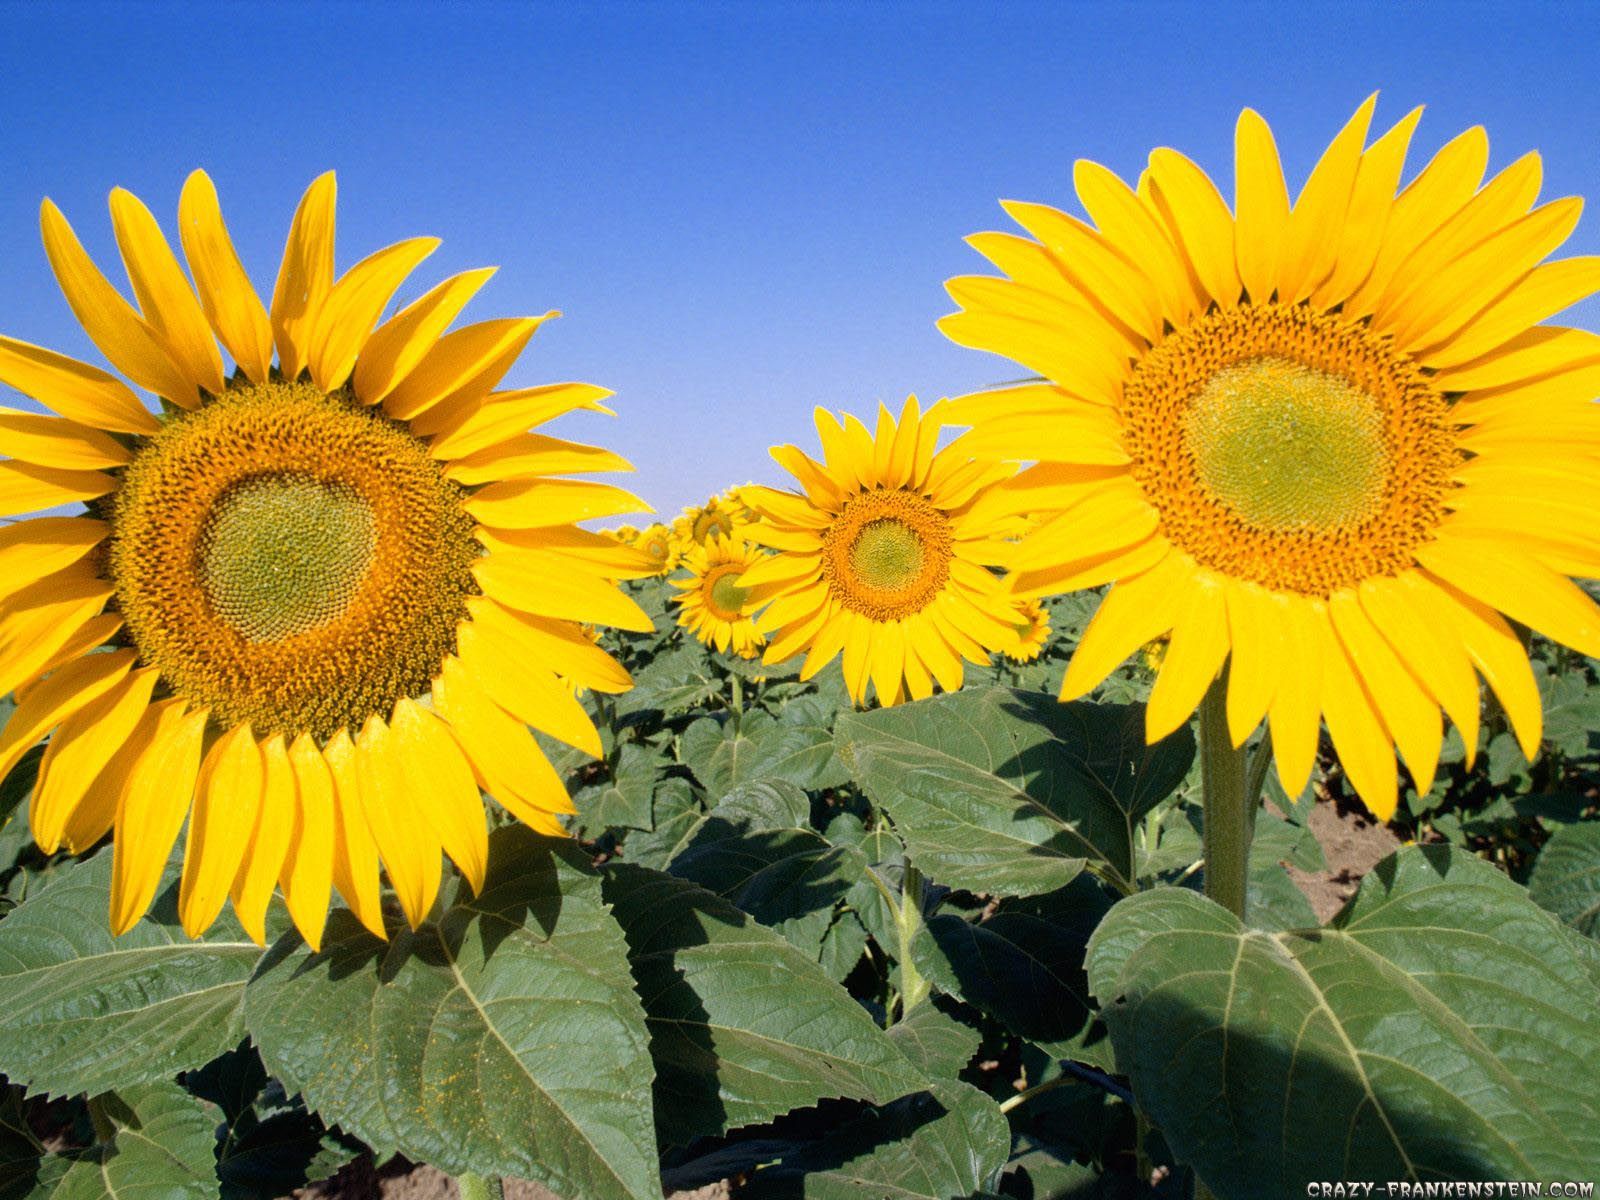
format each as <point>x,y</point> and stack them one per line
<point>744,210</point>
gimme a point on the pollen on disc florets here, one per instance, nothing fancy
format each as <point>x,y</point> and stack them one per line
<point>887,554</point>
<point>1288,447</point>
<point>291,559</point>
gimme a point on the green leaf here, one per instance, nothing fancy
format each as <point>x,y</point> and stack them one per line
<point>1566,876</point>
<point>1011,793</point>
<point>938,1043</point>
<point>678,814</point>
<point>1430,1031</point>
<point>671,683</point>
<point>503,1038</point>
<point>753,851</point>
<point>951,1141</point>
<point>160,1147</point>
<point>623,799</point>
<point>86,1012</point>
<point>1023,966</point>
<point>743,1027</point>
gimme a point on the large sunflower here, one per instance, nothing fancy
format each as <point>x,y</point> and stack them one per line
<point>711,600</point>
<point>332,593</point>
<point>1327,444</point>
<point>885,555</point>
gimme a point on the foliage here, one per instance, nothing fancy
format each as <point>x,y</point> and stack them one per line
<point>954,948</point>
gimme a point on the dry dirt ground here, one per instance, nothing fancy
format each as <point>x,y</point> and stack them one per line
<point>1351,842</point>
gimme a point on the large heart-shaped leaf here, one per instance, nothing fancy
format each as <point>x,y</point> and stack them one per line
<point>743,1026</point>
<point>1432,1030</point>
<point>505,1038</point>
<point>88,1012</point>
<point>1010,792</point>
<point>1566,876</point>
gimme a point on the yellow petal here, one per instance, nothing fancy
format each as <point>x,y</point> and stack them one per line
<point>1255,671</point>
<point>1082,365</point>
<point>886,660</point>
<point>533,454</point>
<point>592,553</point>
<point>1111,519</point>
<point>1542,292</point>
<point>164,296</point>
<point>445,793</point>
<point>530,582</point>
<point>1497,653</point>
<point>1532,353</point>
<point>26,488</point>
<point>227,804</point>
<point>307,874</point>
<point>60,695</point>
<point>399,344</point>
<point>1372,199</point>
<point>525,503</point>
<point>507,414</point>
<point>1295,714</point>
<point>306,275</point>
<point>40,619</point>
<point>1316,225</point>
<point>501,751</point>
<point>355,854</point>
<point>51,442</point>
<point>1194,656</point>
<point>134,347</point>
<point>1501,576</point>
<point>85,764</point>
<point>1131,228</point>
<point>76,390</point>
<point>1100,272</point>
<point>1363,746</point>
<point>1204,225</point>
<point>1262,202</point>
<point>269,842</point>
<point>1437,193</point>
<point>155,799</point>
<point>1135,611</point>
<point>473,355</point>
<point>529,692</point>
<point>91,635</point>
<point>353,306</point>
<point>408,845</point>
<point>558,646</point>
<point>1074,574</point>
<point>236,313</point>
<point>1399,606</point>
<point>1409,713</point>
<point>822,490</point>
<point>30,550</point>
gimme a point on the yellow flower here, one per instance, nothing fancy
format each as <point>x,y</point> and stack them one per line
<point>1032,630</point>
<point>333,592</point>
<point>697,526</point>
<point>712,600</point>
<point>658,545</point>
<point>884,555</point>
<point>626,534</point>
<point>1327,444</point>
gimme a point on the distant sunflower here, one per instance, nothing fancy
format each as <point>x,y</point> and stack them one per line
<point>712,602</point>
<point>885,555</point>
<point>1032,626</point>
<point>626,534</point>
<point>1330,445</point>
<point>716,518</point>
<point>657,544</point>
<point>335,591</point>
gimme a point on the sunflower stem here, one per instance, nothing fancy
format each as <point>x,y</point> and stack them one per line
<point>1228,816</point>
<point>736,703</point>
<point>479,1187</point>
<point>914,988</point>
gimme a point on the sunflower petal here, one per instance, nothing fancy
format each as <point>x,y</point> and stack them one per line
<point>1316,225</point>
<point>76,390</point>
<point>1409,713</point>
<point>1503,577</point>
<point>306,275</point>
<point>1261,200</point>
<point>1294,714</point>
<point>443,783</point>
<point>1135,610</point>
<point>409,848</point>
<point>530,582</point>
<point>355,853</point>
<point>307,874</point>
<point>269,842</point>
<point>469,361</point>
<point>532,694</point>
<point>52,442</point>
<point>61,694</point>
<point>400,343</point>
<point>155,799</point>
<point>26,488</point>
<point>227,801</point>
<point>1199,214</point>
<point>353,306</point>
<point>230,302</point>
<point>1363,746</point>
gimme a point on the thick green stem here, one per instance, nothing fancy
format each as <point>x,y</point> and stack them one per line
<point>914,988</point>
<point>479,1187</point>
<point>1229,813</point>
<point>736,704</point>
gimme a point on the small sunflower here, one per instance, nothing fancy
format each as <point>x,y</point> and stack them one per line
<point>885,555</point>
<point>1032,626</point>
<point>1329,444</point>
<point>626,534</point>
<point>718,517</point>
<point>658,545</point>
<point>332,592</point>
<point>712,600</point>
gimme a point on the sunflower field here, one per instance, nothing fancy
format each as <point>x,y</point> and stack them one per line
<point>931,826</point>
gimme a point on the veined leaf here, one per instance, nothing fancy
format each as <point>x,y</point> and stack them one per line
<point>1566,876</point>
<point>1430,1031</point>
<point>1011,793</point>
<point>88,1012</point>
<point>743,1027</point>
<point>503,1038</point>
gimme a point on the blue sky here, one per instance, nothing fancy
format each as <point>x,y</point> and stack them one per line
<point>743,210</point>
